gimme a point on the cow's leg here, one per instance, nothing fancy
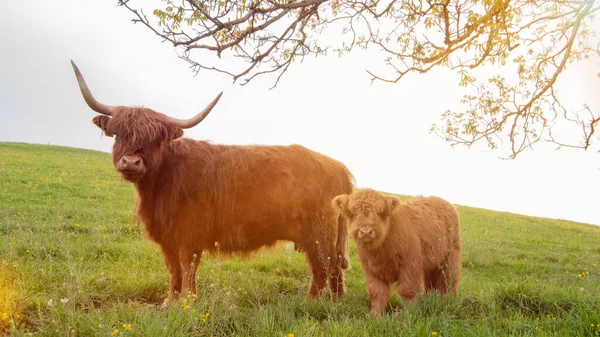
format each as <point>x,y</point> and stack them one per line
<point>379,292</point>
<point>324,264</point>
<point>333,250</point>
<point>336,280</point>
<point>411,280</point>
<point>323,260</point>
<point>319,271</point>
<point>189,260</point>
<point>319,244</point>
<point>336,277</point>
<point>172,261</point>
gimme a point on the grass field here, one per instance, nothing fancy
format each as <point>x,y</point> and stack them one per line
<point>74,263</point>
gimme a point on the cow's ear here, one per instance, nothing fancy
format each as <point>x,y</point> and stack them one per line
<point>171,133</point>
<point>102,123</point>
<point>393,203</point>
<point>178,132</point>
<point>340,203</point>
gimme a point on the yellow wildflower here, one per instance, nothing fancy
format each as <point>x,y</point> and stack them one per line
<point>126,326</point>
<point>433,333</point>
<point>115,332</point>
<point>290,335</point>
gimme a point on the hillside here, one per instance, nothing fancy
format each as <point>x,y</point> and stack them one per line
<point>74,263</point>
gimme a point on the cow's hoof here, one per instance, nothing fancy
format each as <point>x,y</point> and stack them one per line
<point>165,303</point>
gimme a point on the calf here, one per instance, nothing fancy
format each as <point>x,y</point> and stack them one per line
<point>415,244</point>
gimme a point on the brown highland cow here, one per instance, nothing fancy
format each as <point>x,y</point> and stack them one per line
<point>415,244</point>
<point>193,196</point>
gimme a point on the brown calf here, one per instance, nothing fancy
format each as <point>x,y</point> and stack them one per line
<point>415,244</point>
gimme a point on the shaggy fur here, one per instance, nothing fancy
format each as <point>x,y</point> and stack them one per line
<point>415,244</point>
<point>193,196</point>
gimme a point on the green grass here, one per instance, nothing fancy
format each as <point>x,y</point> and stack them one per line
<point>66,232</point>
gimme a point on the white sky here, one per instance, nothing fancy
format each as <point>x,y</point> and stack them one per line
<point>327,104</point>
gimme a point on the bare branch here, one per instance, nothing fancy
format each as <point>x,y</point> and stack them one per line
<point>533,42</point>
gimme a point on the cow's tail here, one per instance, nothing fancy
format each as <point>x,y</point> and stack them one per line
<point>342,243</point>
<point>342,239</point>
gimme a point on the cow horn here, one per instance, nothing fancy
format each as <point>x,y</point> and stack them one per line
<point>188,123</point>
<point>87,95</point>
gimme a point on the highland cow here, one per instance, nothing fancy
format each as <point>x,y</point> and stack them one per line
<point>415,244</point>
<point>194,196</point>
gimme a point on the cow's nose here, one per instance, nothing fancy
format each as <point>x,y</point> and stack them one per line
<point>365,232</point>
<point>131,162</point>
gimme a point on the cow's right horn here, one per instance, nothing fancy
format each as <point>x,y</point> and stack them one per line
<point>188,123</point>
<point>87,95</point>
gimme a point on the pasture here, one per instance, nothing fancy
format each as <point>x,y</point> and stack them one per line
<point>73,262</point>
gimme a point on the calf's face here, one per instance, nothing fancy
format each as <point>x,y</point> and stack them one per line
<point>368,215</point>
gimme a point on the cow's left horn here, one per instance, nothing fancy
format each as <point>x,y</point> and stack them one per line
<point>87,95</point>
<point>188,123</point>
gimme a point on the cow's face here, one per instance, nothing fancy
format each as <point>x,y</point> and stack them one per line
<point>368,215</point>
<point>140,135</point>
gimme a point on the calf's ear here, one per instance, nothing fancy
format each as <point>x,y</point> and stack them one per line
<point>393,202</point>
<point>102,123</point>
<point>340,202</point>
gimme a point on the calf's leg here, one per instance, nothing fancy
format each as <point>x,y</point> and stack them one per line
<point>453,270</point>
<point>379,292</point>
<point>411,280</point>
<point>439,280</point>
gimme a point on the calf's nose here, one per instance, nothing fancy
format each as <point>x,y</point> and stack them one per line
<point>365,232</point>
